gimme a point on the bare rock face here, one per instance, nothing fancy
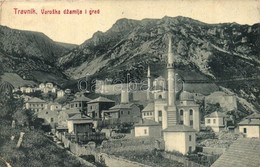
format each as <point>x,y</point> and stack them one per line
<point>194,43</point>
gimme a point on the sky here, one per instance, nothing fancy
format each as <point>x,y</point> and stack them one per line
<point>73,28</point>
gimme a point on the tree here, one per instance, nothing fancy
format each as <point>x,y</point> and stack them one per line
<point>25,117</point>
<point>8,104</point>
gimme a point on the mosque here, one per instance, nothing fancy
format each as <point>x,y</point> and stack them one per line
<point>179,120</point>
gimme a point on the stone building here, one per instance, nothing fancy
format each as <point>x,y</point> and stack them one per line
<point>250,126</point>
<point>97,105</point>
<point>35,104</point>
<point>216,121</point>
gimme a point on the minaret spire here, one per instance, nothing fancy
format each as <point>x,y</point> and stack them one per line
<point>171,109</point>
<point>170,54</point>
<point>148,82</point>
<point>171,75</point>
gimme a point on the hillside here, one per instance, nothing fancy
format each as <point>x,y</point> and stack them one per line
<point>36,149</point>
<point>16,80</point>
<point>222,53</point>
<point>26,52</point>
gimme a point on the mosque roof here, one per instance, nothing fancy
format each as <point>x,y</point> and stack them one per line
<point>179,128</point>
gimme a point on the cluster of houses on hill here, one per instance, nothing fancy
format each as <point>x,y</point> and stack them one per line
<point>43,88</point>
<point>166,113</point>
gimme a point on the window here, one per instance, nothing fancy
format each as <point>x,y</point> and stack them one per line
<point>42,105</point>
<point>190,149</point>
<point>51,119</point>
<point>191,112</point>
<point>145,131</point>
<point>191,122</point>
<point>76,105</point>
<point>244,130</point>
<point>128,112</point>
<point>208,121</point>
<point>189,137</point>
<point>181,112</point>
<point>160,97</point>
<point>122,112</point>
<point>159,113</point>
<point>181,122</point>
<point>214,121</point>
<point>46,112</point>
<point>79,104</point>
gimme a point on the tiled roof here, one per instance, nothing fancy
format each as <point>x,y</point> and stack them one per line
<point>250,122</point>
<point>36,100</point>
<point>122,105</point>
<point>179,128</point>
<point>149,107</point>
<point>79,117</point>
<point>100,99</point>
<point>71,111</point>
<point>215,115</point>
<point>254,116</point>
<point>147,122</point>
<point>243,152</point>
<point>81,98</point>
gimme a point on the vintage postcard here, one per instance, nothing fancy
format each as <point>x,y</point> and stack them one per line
<point>134,83</point>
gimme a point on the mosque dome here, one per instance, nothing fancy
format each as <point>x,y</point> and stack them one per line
<point>186,96</point>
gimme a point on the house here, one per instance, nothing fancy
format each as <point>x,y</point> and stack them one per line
<point>147,127</point>
<point>50,117</point>
<point>250,126</point>
<point>48,87</point>
<point>216,121</point>
<point>60,93</point>
<point>148,112</point>
<point>183,135</point>
<point>64,115</point>
<point>41,86</point>
<point>97,105</point>
<point>244,152</point>
<point>23,89</point>
<point>80,103</point>
<point>124,113</point>
<point>54,106</point>
<point>79,123</point>
<point>35,104</point>
<point>29,90</point>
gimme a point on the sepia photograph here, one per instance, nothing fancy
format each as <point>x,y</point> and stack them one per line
<point>134,83</point>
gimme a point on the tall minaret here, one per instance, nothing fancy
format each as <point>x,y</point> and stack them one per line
<point>148,82</point>
<point>171,109</point>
